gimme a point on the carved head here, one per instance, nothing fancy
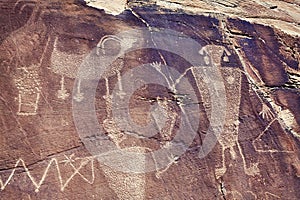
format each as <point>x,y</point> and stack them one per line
<point>215,53</point>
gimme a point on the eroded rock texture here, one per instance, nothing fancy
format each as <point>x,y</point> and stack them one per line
<point>252,45</point>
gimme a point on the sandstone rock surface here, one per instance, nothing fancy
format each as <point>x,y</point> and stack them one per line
<point>253,48</point>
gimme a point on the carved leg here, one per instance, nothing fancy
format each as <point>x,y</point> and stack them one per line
<point>62,93</point>
<point>79,96</point>
<point>121,93</point>
<point>108,100</point>
<point>219,172</point>
<point>232,153</point>
<point>253,169</point>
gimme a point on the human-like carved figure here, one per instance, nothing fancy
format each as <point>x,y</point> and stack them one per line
<point>28,83</point>
<point>126,185</point>
<point>66,65</point>
<point>114,69</point>
<point>21,44</point>
<point>124,44</point>
<point>117,65</point>
<point>24,3</point>
<point>27,41</point>
<point>228,139</point>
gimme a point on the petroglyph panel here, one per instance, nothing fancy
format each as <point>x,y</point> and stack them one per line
<point>42,45</point>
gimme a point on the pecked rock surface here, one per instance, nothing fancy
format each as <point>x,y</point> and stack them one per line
<point>253,49</point>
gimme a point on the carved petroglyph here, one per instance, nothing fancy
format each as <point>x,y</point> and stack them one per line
<point>172,160</point>
<point>103,40</point>
<point>254,196</point>
<point>27,78</point>
<point>157,66</point>
<point>79,96</point>
<point>287,120</point>
<point>271,114</point>
<point>117,180</point>
<point>124,44</point>
<point>169,119</point>
<point>266,112</point>
<point>65,65</point>
<point>158,114</point>
<point>258,139</point>
<point>213,54</point>
<point>271,196</point>
<point>115,67</point>
<point>28,84</point>
<point>235,195</point>
<point>285,117</point>
<point>115,134</point>
<point>256,85</point>
<point>134,189</point>
<point>109,124</point>
<point>127,185</point>
<point>83,162</point>
<point>62,93</point>
<point>54,162</point>
<point>165,117</point>
<point>24,4</point>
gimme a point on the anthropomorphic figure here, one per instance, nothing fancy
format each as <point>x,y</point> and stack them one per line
<point>228,139</point>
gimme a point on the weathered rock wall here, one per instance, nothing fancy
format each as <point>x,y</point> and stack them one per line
<point>254,47</point>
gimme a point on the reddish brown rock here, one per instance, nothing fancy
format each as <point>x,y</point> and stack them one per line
<point>42,45</point>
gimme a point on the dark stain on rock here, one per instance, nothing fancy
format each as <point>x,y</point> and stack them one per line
<point>269,66</point>
<point>276,41</point>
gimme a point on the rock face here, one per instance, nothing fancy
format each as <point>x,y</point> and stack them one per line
<point>247,83</point>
